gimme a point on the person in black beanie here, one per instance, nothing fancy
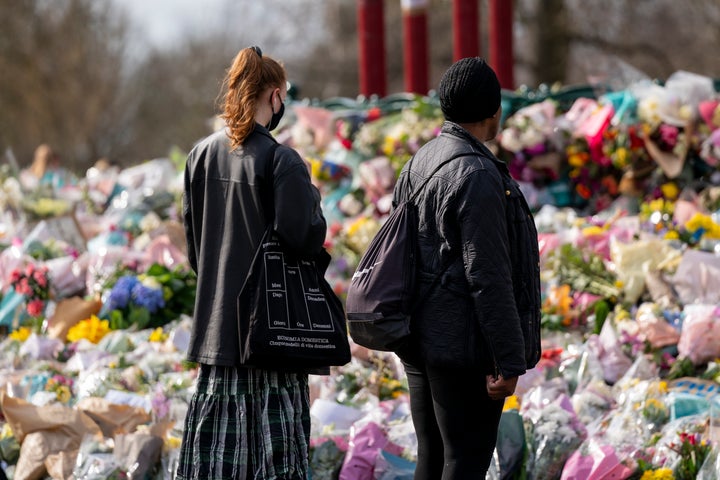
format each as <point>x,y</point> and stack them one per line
<point>478,328</point>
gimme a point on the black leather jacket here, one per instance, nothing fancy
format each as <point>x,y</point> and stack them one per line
<point>224,221</point>
<point>485,309</point>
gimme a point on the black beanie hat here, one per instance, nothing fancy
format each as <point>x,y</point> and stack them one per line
<point>469,91</point>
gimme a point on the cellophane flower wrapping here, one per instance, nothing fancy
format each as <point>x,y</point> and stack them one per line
<point>690,430</point>
<point>553,433</point>
<point>607,348</point>
<point>593,402</point>
<point>366,443</point>
<point>596,461</point>
<point>697,278</point>
<point>711,467</point>
<point>326,459</point>
<point>393,467</point>
<point>700,335</point>
<point>95,460</point>
<point>632,259</point>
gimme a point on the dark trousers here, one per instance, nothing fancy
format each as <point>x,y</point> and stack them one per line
<point>455,421</point>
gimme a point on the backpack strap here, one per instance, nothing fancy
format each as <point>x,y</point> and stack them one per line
<point>450,260</point>
<point>420,188</point>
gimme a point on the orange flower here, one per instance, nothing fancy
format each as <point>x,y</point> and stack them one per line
<point>560,302</point>
<point>610,184</point>
<point>583,191</point>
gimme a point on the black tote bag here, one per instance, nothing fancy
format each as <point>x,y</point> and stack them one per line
<point>288,314</point>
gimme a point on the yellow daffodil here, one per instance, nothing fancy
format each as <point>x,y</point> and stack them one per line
<point>621,157</point>
<point>388,147</point>
<point>578,159</point>
<point>92,329</point>
<point>660,205</point>
<point>670,190</point>
<point>158,335</point>
<point>701,221</point>
<point>672,235</point>
<point>697,221</point>
<point>659,474</point>
<point>21,334</point>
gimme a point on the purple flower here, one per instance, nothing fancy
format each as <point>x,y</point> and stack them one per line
<point>150,298</point>
<point>120,293</point>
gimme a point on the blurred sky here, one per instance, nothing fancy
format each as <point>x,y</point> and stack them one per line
<point>289,26</point>
<point>165,22</point>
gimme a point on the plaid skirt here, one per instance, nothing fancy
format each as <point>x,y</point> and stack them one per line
<point>246,424</point>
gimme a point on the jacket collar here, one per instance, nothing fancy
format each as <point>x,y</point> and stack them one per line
<point>263,131</point>
<point>452,128</point>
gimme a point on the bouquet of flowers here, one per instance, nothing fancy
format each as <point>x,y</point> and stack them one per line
<point>61,386</point>
<point>701,227</point>
<point>553,432</point>
<point>583,271</point>
<point>33,283</point>
<point>148,300</point>
<point>658,474</point>
<point>376,377</point>
<point>710,149</point>
<point>92,329</point>
<point>131,302</point>
<point>595,178</point>
<point>693,450</point>
<point>530,145</point>
<point>398,136</point>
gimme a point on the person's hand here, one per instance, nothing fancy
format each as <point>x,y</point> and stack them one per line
<point>499,388</point>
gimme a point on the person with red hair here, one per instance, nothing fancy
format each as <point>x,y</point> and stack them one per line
<point>244,422</point>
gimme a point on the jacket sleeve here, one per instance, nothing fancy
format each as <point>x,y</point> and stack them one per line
<point>191,236</point>
<point>299,219</point>
<point>483,229</point>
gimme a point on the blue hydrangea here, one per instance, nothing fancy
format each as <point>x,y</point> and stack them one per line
<point>121,292</point>
<point>150,298</point>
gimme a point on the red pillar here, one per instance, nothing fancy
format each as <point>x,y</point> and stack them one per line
<point>415,45</point>
<point>501,41</point>
<point>466,30</point>
<point>371,35</point>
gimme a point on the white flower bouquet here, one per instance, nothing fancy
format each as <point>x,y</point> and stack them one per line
<point>553,433</point>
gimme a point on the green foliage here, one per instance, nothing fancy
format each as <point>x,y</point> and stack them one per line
<point>602,310</point>
<point>583,271</point>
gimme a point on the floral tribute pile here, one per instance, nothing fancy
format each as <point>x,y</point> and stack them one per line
<point>96,295</point>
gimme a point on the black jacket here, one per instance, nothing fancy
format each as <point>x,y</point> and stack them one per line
<point>485,309</point>
<point>224,221</point>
